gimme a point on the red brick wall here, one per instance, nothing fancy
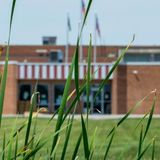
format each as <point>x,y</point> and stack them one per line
<point>135,82</point>
<point>119,91</point>
<point>10,100</point>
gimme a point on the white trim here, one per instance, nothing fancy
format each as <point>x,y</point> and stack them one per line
<point>51,72</point>
<point>9,62</point>
<point>57,64</point>
<point>66,71</point>
<point>36,72</point>
<point>141,63</point>
<point>29,72</point>
<point>103,72</point>
<point>81,73</point>
<point>96,71</point>
<point>44,71</point>
<point>21,69</point>
<point>59,72</point>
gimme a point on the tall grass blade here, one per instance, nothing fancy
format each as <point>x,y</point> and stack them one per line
<point>9,155</point>
<point>86,14</point>
<point>62,106</point>
<point>73,103</point>
<point>92,144</point>
<point>67,86</point>
<point>113,68</point>
<point>85,139</point>
<point>138,104</point>
<point>141,120</point>
<point>109,145</point>
<point>70,122</point>
<point>53,156</point>
<point>16,148</point>
<point>76,70</point>
<point>33,135</point>
<point>32,105</point>
<point>150,118</point>
<point>3,146</point>
<point>144,151</point>
<point>140,142</point>
<point>153,149</point>
<point>5,72</point>
<point>88,76</point>
<point>34,151</point>
<point>77,147</point>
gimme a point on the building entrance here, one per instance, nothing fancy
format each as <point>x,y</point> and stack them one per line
<point>101,103</point>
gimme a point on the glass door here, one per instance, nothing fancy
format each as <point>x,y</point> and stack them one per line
<point>97,104</point>
<point>43,95</point>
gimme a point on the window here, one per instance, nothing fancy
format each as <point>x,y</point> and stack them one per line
<point>137,57</point>
<point>43,95</point>
<point>142,57</point>
<point>56,56</point>
<point>25,92</point>
<point>58,93</point>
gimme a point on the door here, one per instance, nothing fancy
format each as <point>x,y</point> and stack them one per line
<point>99,103</point>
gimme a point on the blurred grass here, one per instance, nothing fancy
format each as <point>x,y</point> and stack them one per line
<point>124,146</point>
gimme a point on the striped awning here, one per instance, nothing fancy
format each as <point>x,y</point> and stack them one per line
<point>59,71</point>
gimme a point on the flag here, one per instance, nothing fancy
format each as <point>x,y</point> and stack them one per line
<point>83,7</point>
<point>97,27</point>
<point>68,23</point>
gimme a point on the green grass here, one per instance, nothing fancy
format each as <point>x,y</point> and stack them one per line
<point>124,146</point>
<point>60,138</point>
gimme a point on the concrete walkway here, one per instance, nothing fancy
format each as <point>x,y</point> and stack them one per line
<point>78,116</point>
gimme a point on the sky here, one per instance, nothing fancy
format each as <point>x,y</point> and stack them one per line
<point>118,21</point>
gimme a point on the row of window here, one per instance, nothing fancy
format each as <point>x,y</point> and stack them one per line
<point>142,57</point>
<point>102,103</point>
<point>43,97</point>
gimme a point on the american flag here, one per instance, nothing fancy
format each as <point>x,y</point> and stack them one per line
<point>68,23</point>
<point>83,7</point>
<point>97,26</point>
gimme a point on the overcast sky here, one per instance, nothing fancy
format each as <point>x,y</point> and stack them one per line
<point>118,20</point>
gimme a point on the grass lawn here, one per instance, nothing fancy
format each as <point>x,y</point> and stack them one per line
<point>125,142</point>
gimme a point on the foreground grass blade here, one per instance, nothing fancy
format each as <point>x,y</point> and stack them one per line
<point>73,103</point>
<point>86,14</point>
<point>88,76</point>
<point>140,142</point>
<point>34,151</point>
<point>92,144</point>
<point>85,139</point>
<point>9,155</point>
<point>16,148</point>
<point>3,146</point>
<point>67,86</point>
<point>113,68</point>
<point>70,122</point>
<point>109,145</point>
<point>76,70</point>
<point>77,147</point>
<point>150,118</point>
<point>4,76</point>
<point>153,149</point>
<point>138,104</point>
<point>32,105</point>
<point>63,104</point>
<point>143,152</point>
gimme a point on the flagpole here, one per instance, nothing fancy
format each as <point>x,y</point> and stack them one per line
<point>95,41</point>
<point>81,21</point>
<point>67,40</point>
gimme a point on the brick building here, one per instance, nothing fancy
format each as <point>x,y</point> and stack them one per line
<point>136,76</point>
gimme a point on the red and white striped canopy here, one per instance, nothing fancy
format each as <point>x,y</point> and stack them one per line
<point>59,71</point>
